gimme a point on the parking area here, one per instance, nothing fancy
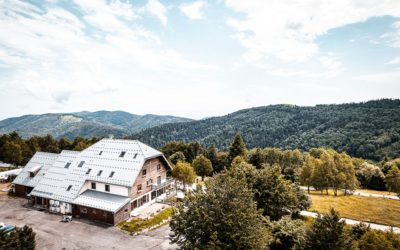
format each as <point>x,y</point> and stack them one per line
<point>51,233</point>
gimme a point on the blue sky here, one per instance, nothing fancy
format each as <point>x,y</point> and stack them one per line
<point>195,58</point>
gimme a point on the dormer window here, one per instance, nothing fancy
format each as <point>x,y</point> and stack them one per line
<point>69,187</point>
<point>134,157</point>
<point>67,165</point>
<point>99,173</point>
<point>111,174</point>
<point>122,154</point>
<point>81,164</point>
<point>88,171</point>
<point>100,152</point>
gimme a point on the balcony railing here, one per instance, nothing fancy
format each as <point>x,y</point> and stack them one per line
<point>162,184</point>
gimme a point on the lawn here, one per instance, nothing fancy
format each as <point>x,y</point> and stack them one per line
<point>138,224</point>
<point>368,209</point>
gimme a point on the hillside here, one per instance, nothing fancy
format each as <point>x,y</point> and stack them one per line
<point>84,124</point>
<point>370,130</point>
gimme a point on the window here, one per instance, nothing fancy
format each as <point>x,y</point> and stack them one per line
<point>158,167</point>
<point>158,180</point>
<point>149,182</point>
<point>111,174</point>
<point>69,187</point>
<point>88,171</point>
<point>107,188</point>
<point>99,173</point>
<point>100,152</point>
<point>93,185</point>
<point>81,164</point>
<point>134,157</point>
<point>139,188</point>
<point>122,154</point>
<point>67,165</point>
<point>83,210</point>
<point>144,172</point>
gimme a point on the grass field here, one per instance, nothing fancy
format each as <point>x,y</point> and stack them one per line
<point>368,209</point>
<point>138,224</point>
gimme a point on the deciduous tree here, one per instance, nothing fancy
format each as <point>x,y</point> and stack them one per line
<point>223,217</point>
<point>202,166</point>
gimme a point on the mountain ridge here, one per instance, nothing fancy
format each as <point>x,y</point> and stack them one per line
<point>84,123</point>
<point>367,129</point>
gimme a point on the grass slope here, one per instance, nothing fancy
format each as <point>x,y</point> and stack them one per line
<point>368,209</point>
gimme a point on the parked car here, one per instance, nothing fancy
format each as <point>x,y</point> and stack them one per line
<point>6,228</point>
<point>67,218</point>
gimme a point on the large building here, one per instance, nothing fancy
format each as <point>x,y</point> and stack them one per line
<point>104,182</point>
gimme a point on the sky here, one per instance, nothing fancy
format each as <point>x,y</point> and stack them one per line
<point>195,59</point>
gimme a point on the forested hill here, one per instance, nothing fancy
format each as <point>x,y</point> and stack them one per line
<point>370,130</point>
<point>84,124</point>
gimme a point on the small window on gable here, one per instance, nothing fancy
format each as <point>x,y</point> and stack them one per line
<point>134,157</point>
<point>100,152</point>
<point>158,166</point>
<point>88,171</point>
<point>81,164</point>
<point>144,172</point>
<point>67,165</point>
<point>69,187</point>
<point>122,154</point>
<point>139,188</point>
<point>99,173</point>
<point>111,174</point>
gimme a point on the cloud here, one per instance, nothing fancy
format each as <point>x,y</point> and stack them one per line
<point>395,60</point>
<point>288,31</point>
<point>157,9</point>
<point>59,56</point>
<point>62,97</point>
<point>393,38</point>
<point>193,10</point>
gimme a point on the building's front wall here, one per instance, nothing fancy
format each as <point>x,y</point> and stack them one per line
<point>152,173</point>
<point>101,187</point>
<point>122,214</point>
<point>93,214</point>
<point>21,190</point>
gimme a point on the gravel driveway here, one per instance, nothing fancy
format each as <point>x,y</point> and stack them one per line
<point>78,234</point>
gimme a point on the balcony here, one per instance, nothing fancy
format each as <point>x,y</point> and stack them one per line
<point>164,183</point>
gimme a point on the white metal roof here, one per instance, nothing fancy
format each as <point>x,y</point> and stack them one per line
<point>40,158</point>
<point>101,200</point>
<point>104,156</point>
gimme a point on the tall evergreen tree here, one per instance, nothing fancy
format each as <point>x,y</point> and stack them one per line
<point>327,232</point>
<point>237,148</point>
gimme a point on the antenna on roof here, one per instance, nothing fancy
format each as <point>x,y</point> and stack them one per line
<point>110,136</point>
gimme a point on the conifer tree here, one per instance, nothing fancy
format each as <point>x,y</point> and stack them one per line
<point>237,148</point>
